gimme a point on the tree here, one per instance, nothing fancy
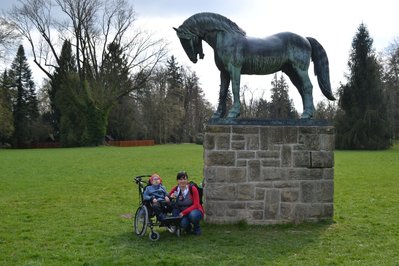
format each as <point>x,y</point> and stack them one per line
<point>9,37</point>
<point>362,121</point>
<point>175,105</point>
<point>281,106</point>
<point>6,116</point>
<point>325,111</point>
<point>391,84</point>
<point>66,67</point>
<point>91,25</point>
<point>25,110</point>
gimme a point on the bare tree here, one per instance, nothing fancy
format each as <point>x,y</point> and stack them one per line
<point>9,37</point>
<point>91,25</point>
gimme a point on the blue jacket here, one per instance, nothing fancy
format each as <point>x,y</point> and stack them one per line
<point>155,191</point>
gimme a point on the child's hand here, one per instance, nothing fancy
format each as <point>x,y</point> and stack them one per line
<point>154,200</point>
<point>167,199</point>
<point>172,196</point>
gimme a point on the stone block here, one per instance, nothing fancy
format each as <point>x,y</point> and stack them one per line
<point>241,163</point>
<point>209,142</point>
<point>246,192</point>
<point>327,190</point>
<point>327,142</point>
<point>237,175</point>
<point>289,195</point>
<point>254,170</point>
<point>271,163</point>
<point>252,142</point>
<point>238,137</point>
<point>222,142</point>
<point>218,129</point>
<point>236,205</point>
<point>301,158</point>
<point>255,205</point>
<point>308,190</point>
<point>221,192</point>
<point>306,174</point>
<point>264,138</point>
<point>310,141</point>
<point>245,130</point>
<point>286,156</point>
<point>328,173</point>
<point>322,159</point>
<point>246,155</point>
<point>257,215</point>
<point>286,210</point>
<point>273,173</point>
<point>290,135</point>
<point>268,154</point>
<point>221,158</point>
<point>238,145</point>
<point>260,193</point>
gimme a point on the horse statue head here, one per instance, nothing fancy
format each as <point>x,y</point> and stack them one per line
<point>192,44</point>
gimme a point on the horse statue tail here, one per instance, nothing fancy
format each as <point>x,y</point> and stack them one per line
<point>321,69</point>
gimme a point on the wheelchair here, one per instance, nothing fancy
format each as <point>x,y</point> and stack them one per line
<point>145,215</point>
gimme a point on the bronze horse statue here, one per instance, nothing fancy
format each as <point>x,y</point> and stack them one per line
<point>237,54</point>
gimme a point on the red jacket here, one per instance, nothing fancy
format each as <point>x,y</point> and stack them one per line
<point>193,192</point>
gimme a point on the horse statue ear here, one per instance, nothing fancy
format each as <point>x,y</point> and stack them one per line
<point>177,30</point>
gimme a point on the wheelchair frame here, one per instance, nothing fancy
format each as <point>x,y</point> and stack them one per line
<point>144,215</point>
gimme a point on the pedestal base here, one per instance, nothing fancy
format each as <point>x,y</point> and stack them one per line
<point>269,173</point>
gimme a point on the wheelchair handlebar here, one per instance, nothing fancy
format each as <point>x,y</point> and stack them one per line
<point>138,179</point>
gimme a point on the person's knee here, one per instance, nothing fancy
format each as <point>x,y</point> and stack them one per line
<point>195,216</point>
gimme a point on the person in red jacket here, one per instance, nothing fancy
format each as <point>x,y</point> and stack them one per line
<point>187,205</point>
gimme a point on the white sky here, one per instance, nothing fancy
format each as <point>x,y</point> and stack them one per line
<point>332,23</point>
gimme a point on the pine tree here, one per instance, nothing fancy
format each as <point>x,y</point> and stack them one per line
<point>362,122</point>
<point>281,106</point>
<point>66,65</point>
<point>25,107</point>
<point>174,102</point>
<point>6,116</point>
<point>115,76</point>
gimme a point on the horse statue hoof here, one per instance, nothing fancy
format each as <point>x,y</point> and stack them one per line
<point>233,114</point>
<point>306,115</point>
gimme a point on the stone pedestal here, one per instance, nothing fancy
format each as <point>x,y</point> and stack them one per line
<point>269,173</point>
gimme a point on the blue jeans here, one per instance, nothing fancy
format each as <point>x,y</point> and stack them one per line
<point>194,217</point>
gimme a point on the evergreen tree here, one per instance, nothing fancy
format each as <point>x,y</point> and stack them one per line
<point>25,110</point>
<point>174,102</point>
<point>115,76</point>
<point>362,122</point>
<point>6,116</point>
<point>391,85</point>
<point>281,106</point>
<point>67,65</point>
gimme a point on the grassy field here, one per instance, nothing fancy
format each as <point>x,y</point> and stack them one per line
<point>71,207</point>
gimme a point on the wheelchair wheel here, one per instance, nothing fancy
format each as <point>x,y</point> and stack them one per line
<point>141,221</point>
<point>154,236</point>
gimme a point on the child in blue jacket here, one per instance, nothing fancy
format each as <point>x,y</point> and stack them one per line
<point>157,195</point>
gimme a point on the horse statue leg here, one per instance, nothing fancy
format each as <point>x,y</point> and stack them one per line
<point>224,86</point>
<point>301,81</point>
<point>235,74</point>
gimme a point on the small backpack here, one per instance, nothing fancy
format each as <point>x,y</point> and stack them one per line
<point>199,188</point>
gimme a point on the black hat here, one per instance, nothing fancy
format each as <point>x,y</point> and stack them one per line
<point>181,174</point>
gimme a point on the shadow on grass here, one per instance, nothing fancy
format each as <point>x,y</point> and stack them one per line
<point>238,244</point>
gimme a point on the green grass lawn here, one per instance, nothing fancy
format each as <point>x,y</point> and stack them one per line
<point>70,207</point>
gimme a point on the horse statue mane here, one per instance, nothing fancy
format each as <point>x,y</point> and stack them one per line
<point>236,54</point>
<point>211,21</point>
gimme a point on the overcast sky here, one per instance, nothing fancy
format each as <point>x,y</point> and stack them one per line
<point>332,23</point>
